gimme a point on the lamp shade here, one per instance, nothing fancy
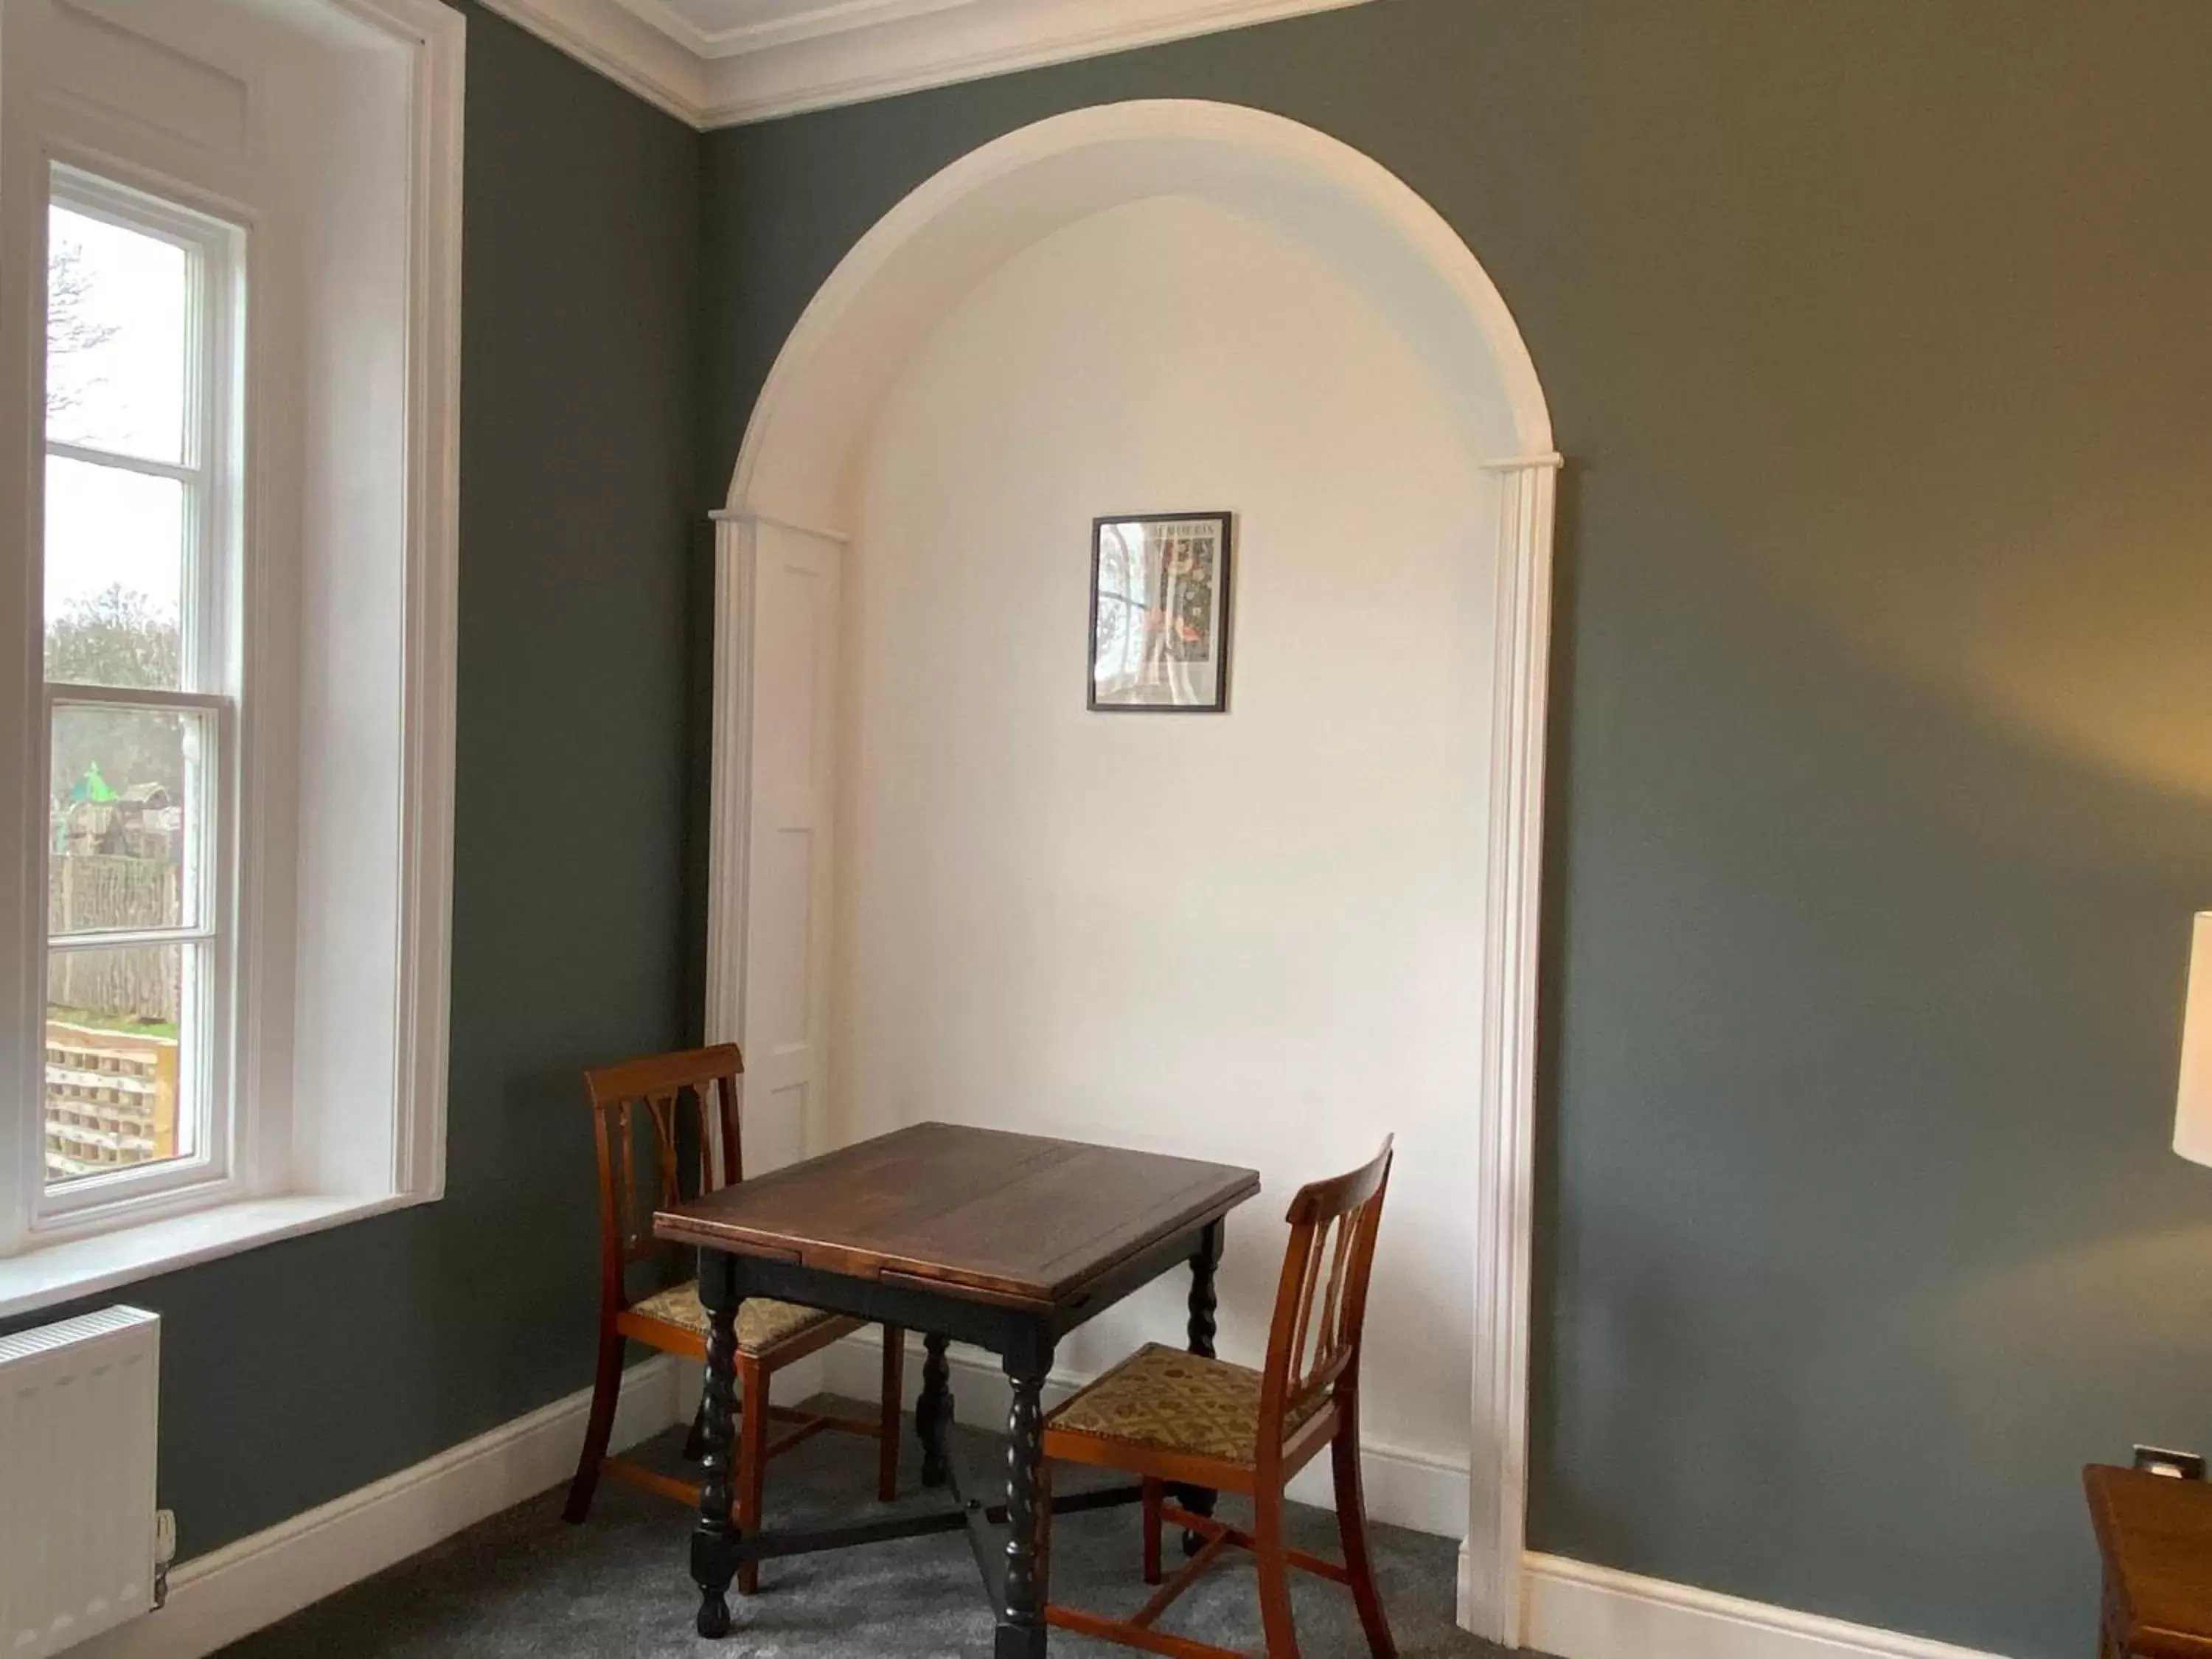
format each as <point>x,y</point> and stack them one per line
<point>2192,1116</point>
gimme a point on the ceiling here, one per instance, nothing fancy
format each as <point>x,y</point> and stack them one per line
<point>723,63</point>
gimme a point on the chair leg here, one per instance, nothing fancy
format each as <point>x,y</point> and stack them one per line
<point>1155,1490</point>
<point>1351,1529</point>
<point>887,1434</point>
<point>1271,1556</point>
<point>752,1462</point>
<point>606,1391</point>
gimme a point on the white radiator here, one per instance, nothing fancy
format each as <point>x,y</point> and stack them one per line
<point>77,1406</point>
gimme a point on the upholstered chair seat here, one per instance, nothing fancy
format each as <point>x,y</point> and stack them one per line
<point>1165,1399</point>
<point>761,1323</point>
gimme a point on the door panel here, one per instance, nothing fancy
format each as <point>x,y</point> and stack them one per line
<point>792,624</point>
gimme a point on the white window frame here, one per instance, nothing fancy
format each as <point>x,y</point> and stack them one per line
<point>325,1132</point>
<point>214,554</point>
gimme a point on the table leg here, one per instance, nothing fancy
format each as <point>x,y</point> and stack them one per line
<point>934,1410</point>
<point>715,1537</point>
<point>1204,1262</point>
<point>1029,1506</point>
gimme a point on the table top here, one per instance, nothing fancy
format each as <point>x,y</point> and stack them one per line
<point>2156,1535</point>
<point>999,1217</point>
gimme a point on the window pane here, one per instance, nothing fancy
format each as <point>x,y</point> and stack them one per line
<point>117,326</point>
<point>125,815</point>
<point>114,576</point>
<point>117,1085</point>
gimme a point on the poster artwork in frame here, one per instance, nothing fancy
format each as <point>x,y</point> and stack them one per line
<point>1159,613</point>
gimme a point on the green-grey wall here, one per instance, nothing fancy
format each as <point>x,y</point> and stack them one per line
<point>1878,334</point>
<point>299,1371</point>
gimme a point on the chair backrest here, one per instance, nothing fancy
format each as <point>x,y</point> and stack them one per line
<point>658,1084</point>
<point>1320,1305</point>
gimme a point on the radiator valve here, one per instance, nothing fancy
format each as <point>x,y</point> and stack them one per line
<point>165,1550</point>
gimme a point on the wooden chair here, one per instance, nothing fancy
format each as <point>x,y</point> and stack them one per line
<point>1181,1422</point>
<point>770,1335</point>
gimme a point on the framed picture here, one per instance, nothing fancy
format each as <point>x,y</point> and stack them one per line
<point>1159,613</point>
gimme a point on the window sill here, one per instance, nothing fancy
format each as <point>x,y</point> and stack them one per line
<point>45,1276</point>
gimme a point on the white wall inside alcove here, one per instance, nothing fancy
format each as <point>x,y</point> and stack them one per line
<point>1253,937</point>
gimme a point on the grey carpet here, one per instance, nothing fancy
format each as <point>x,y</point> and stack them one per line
<point>523,1585</point>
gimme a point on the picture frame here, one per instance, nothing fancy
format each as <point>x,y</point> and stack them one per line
<point>1160,589</point>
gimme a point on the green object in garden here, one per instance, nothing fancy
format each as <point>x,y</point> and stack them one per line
<point>92,785</point>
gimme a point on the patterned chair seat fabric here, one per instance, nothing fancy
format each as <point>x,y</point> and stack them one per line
<point>1165,1400</point>
<point>761,1323</point>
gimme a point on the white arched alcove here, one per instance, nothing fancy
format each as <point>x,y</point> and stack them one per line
<point>798,497</point>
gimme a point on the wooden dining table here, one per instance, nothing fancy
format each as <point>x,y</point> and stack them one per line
<point>1007,1241</point>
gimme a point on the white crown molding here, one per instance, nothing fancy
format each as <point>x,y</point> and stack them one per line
<point>823,17</point>
<point>963,43</point>
<point>610,37</point>
<point>844,52</point>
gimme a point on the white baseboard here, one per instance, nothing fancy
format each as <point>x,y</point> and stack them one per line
<point>1575,1611</point>
<point>233,1591</point>
<point>1404,1487</point>
<point>1571,1610</point>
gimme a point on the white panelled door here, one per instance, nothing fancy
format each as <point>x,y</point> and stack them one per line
<point>787,618</point>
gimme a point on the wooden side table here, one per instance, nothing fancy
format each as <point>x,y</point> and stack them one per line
<point>2155,1535</point>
